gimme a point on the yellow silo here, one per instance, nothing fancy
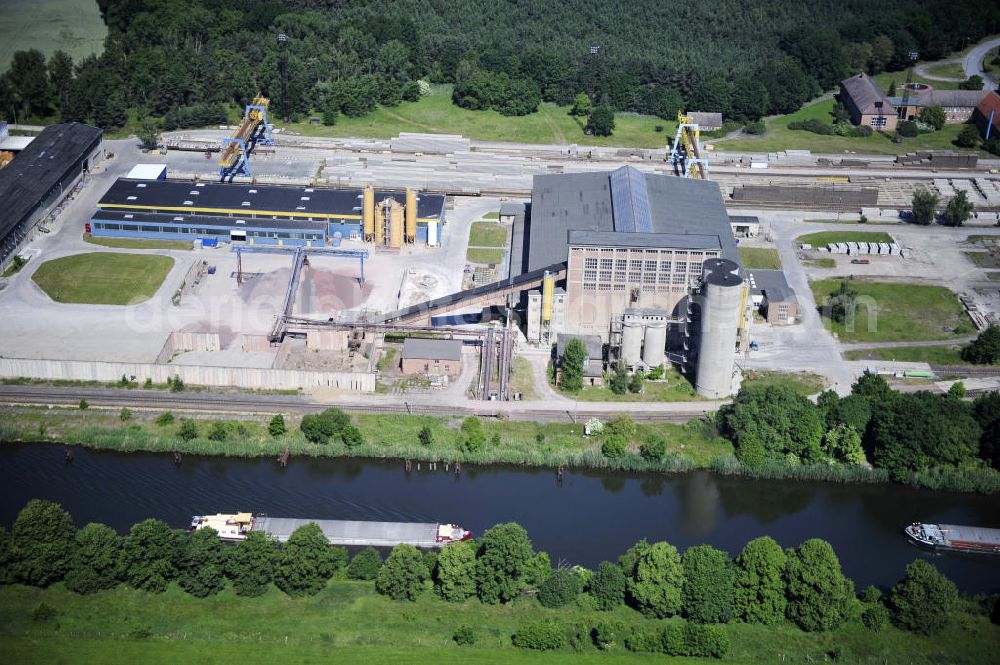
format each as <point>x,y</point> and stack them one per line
<point>380,218</point>
<point>548,291</point>
<point>368,213</point>
<point>411,215</point>
<point>395,224</point>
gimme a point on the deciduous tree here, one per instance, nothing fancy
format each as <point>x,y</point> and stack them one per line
<point>708,585</point>
<point>924,205</point>
<point>607,586</point>
<point>562,587</point>
<point>923,601</point>
<point>149,555</point>
<point>933,116</point>
<point>250,564</point>
<point>455,577</point>
<point>365,564</point>
<point>601,121</point>
<point>759,585</point>
<point>819,595</point>
<point>201,565</point>
<point>402,575</point>
<point>958,210</point>
<point>503,554</point>
<point>656,581</point>
<point>97,559</point>
<point>571,376</point>
<point>43,542</point>
<point>305,563</point>
<point>277,427</point>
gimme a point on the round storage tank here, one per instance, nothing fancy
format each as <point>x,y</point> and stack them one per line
<point>720,311</point>
<point>654,350</point>
<point>631,341</point>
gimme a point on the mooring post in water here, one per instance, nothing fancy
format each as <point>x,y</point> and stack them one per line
<point>69,455</point>
<point>458,468</point>
<point>407,465</point>
<point>283,458</point>
<point>177,457</point>
<point>559,473</point>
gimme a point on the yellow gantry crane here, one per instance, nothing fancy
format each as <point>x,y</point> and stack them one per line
<point>685,153</point>
<point>236,149</point>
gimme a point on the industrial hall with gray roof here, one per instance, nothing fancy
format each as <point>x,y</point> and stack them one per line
<point>652,270</point>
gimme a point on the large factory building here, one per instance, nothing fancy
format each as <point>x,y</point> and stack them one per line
<point>266,214</point>
<point>648,258</point>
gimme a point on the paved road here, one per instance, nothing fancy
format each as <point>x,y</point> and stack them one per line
<point>973,62</point>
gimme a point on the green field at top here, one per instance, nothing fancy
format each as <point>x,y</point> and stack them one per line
<point>347,622</point>
<point>436,114</point>
<point>824,238</point>
<point>762,258</point>
<point>103,278</point>
<point>75,26</point>
<point>897,312</point>
<point>780,137</point>
<point>487,234</point>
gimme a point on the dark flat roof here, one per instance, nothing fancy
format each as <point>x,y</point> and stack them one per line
<point>225,198</point>
<point>37,169</point>
<point>145,217</point>
<point>577,202</point>
<point>771,284</point>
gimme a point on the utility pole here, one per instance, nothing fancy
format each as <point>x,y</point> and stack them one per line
<point>283,63</point>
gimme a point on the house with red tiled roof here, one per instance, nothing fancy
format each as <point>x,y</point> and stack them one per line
<point>987,115</point>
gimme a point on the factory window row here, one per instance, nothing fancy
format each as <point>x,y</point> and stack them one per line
<point>108,226</point>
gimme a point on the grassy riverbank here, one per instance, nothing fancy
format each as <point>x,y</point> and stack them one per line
<point>392,437</point>
<point>348,622</point>
<point>693,445</point>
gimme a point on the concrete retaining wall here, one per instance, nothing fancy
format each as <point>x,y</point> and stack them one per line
<point>180,342</point>
<point>255,343</point>
<point>242,377</point>
<point>282,355</point>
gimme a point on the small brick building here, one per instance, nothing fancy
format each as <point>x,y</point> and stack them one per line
<point>432,357</point>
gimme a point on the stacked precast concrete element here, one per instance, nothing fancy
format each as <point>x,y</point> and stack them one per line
<point>720,297</point>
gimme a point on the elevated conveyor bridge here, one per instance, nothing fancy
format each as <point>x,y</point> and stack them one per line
<point>236,149</point>
<point>495,293</point>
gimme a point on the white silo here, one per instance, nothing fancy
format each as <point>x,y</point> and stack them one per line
<point>654,347</point>
<point>720,312</point>
<point>632,330</point>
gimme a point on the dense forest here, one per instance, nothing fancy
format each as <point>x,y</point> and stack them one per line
<point>185,59</point>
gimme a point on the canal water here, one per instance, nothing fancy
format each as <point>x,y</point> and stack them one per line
<point>588,517</point>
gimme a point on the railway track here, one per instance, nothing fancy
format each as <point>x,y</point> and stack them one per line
<point>242,404</point>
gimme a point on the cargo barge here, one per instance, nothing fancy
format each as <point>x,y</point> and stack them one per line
<point>235,527</point>
<point>954,538</point>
